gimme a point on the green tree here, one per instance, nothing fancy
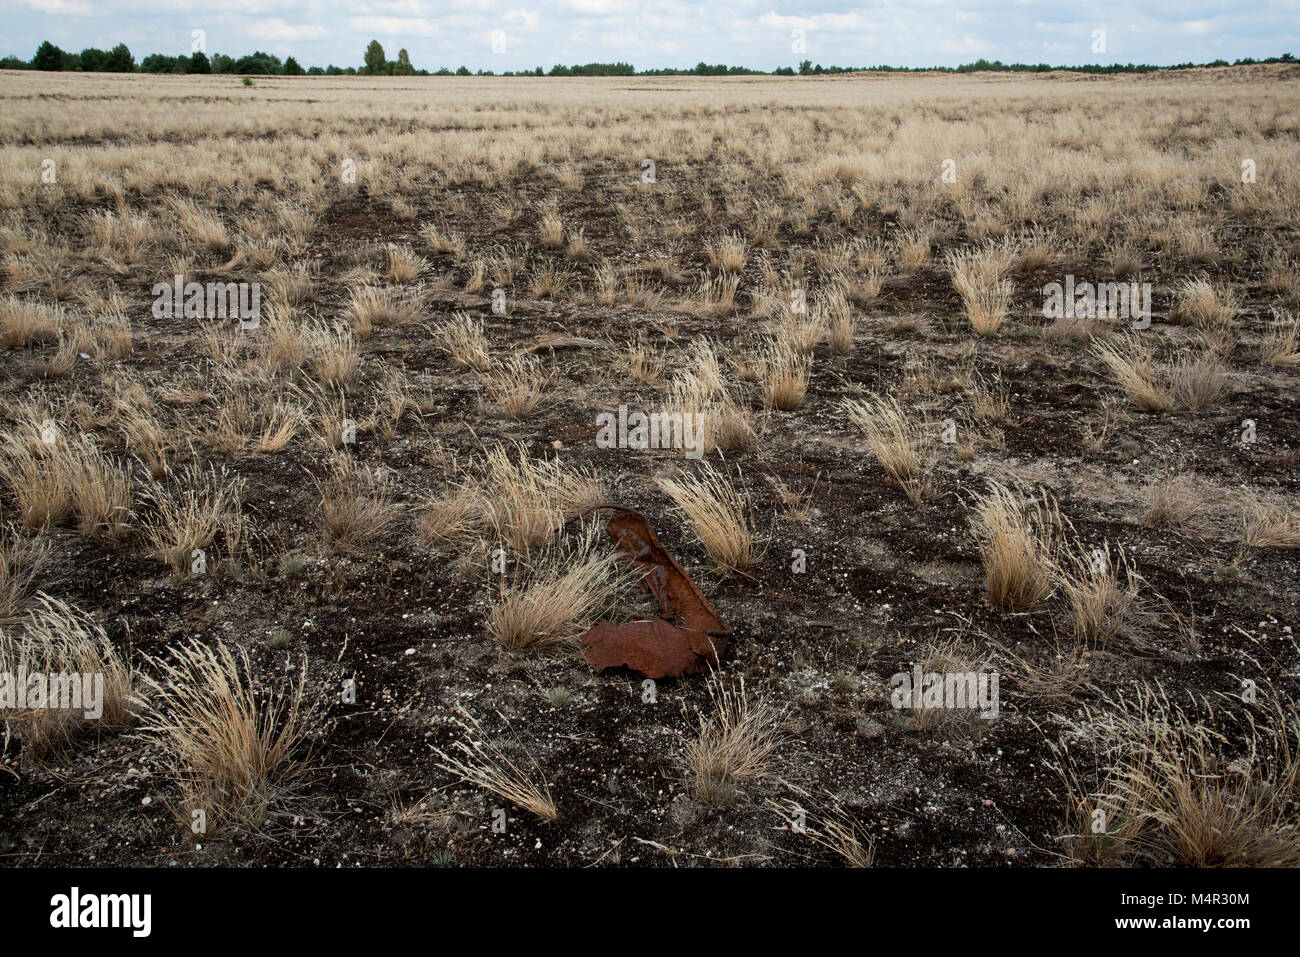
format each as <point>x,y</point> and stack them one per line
<point>199,63</point>
<point>404,67</point>
<point>119,60</point>
<point>292,67</point>
<point>157,63</point>
<point>48,57</point>
<point>805,67</point>
<point>93,60</point>
<point>375,62</point>
<point>259,63</point>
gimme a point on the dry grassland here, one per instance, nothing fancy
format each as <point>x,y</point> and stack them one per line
<point>323,560</point>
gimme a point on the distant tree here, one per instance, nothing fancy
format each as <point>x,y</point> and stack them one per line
<point>48,57</point>
<point>315,71</point>
<point>222,63</point>
<point>199,63</point>
<point>783,71</point>
<point>93,60</point>
<point>463,71</point>
<point>403,67</point>
<point>158,63</point>
<point>259,63</point>
<point>119,60</point>
<point>292,67</point>
<point>13,63</point>
<point>375,62</point>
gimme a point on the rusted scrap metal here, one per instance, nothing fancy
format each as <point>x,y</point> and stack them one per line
<point>688,638</point>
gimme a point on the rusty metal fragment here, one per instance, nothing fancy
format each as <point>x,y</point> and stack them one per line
<point>688,638</point>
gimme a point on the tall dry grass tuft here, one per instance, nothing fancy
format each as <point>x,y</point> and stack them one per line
<point>480,762</point>
<point>735,744</point>
<point>186,520</point>
<point>1151,783</point>
<point>718,513</point>
<point>234,749</point>
<point>979,276</point>
<point>527,501</point>
<point>356,506</point>
<point>900,445</point>
<point>557,597</point>
<point>1018,540</point>
<point>63,643</point>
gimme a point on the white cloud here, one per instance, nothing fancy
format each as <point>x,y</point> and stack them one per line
<point>394,26</point>
<point>527,18</point>
<point>62,8</point>
<point>276,29</point>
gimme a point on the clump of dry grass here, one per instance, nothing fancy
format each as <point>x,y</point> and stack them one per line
<point>900,444</point>
<point>63,643</point>
<point>1100,594</point>
<point>21,560</point>
<point>978,275</point>
<point>331,353</point>
<point>371,306</point>
<point>233,749</point>
<point>441,240</point>
<point>1135,369</point>
<point>953,656</point>
<point>1157,785</point>
<point>550,227</point>
<point>1197,382</point>
<point>25,322</point>
<point>455,517</point>
<point>1018,539</point>
<point>728,254</point>
<point>914,248</point>
<point>786,373</point>
<point>483,764</point>
<point>356,506</point>
<point>1267,525</point>
<point>1204,306</point>
<point>558,597</point>
<point>1281,347</point>
<point>735,744</point>
<point>37,475</point>
<point>515,385</point>
<point>198,227</point>
<point>1173,502</point>
<point>989,399</point>
<point>644,363</point>
<point>463,340</point>
<point>405,264</point>
<point>527,500</point>
<point>801,329</point>
<point>840,324</point>
<point>718,513</point>
<point>188,518</point>
<point>100,489</point>
<point>578,249</point>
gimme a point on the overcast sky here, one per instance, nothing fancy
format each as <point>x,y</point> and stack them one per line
<point>517,34</point>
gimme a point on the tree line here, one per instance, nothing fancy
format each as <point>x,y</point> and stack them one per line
<point>375,62</point>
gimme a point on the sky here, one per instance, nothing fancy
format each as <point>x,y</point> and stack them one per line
<point>520,34</point>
